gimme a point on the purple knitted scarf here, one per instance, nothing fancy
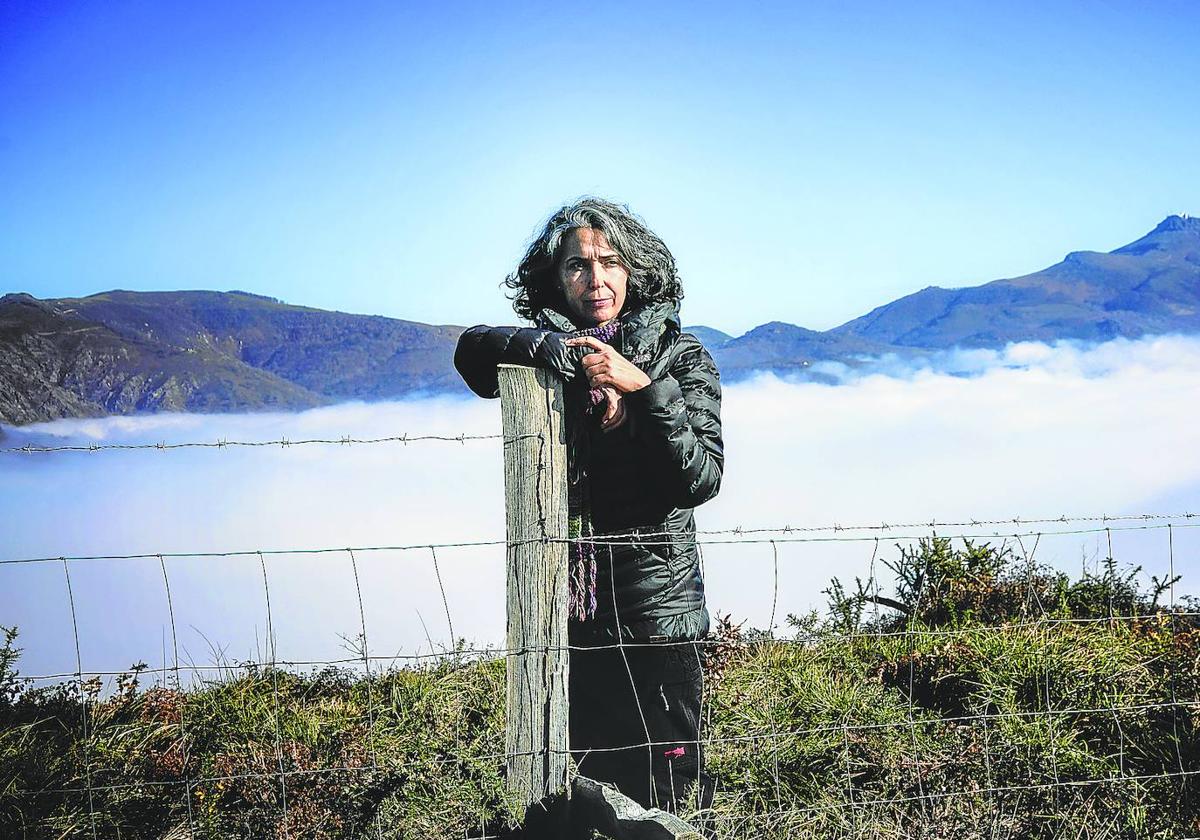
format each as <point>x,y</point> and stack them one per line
<point>582,573</point>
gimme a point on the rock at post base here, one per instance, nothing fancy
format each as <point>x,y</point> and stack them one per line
<point>594,807</point>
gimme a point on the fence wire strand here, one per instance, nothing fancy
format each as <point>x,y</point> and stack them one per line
<point>84,701</point>
<point>185,758</point>
<point>278,710</point>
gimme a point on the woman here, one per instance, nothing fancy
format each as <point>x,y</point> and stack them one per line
<point>645,448</point>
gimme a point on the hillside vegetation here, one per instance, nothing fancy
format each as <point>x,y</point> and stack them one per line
<point>983,698</point>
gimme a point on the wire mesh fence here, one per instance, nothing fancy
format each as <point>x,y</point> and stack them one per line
<point>963,684</point>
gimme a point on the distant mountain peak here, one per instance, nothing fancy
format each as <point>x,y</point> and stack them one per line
<point>777,327</point>
<point>26,299</point>
<point>1179,221</point>
<point>1171,234</point>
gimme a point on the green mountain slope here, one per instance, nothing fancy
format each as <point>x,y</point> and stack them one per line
<point>1148,287</point>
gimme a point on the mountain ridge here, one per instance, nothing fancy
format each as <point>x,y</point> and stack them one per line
<point>1150,286</point>
<point>122,352</point>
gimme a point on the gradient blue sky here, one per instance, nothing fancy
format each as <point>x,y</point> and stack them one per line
<point>805,162</point>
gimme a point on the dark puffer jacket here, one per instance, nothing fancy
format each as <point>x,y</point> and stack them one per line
<point>645,476</point>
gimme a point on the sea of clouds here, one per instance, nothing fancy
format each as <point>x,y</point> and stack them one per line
<point>1030,431</point>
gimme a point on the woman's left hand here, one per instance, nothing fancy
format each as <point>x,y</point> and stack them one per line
<point>607,367</point>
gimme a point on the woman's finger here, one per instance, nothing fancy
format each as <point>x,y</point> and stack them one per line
<point>586,341</point>
<point>610,406</point>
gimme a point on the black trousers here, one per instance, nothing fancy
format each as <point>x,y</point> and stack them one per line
<point>635,722</point>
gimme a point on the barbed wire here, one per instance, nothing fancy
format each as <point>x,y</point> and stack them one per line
<point>618,537</point>
<point>222,443</point>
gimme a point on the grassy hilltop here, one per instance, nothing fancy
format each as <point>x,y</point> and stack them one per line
<point>983,698</point>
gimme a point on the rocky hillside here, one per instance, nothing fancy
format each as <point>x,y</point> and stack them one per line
<point>122,352</point>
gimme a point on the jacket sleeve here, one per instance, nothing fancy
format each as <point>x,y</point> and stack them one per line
<point>481,348</point>
<point>678,417</point>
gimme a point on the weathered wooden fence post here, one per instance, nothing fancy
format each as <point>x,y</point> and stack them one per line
<point>535,491</point>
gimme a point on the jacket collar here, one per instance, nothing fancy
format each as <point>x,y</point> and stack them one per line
<point>641,328</point>
<point>552,319</point>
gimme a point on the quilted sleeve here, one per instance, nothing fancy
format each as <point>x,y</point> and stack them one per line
<point>678,418</point>
<point>481,348</point>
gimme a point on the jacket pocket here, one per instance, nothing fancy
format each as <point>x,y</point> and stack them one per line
<point>681,665</point>
<point>643,577</point>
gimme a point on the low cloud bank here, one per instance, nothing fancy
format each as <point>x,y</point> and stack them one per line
<point>1031,430</point>
<point>1066,357</point>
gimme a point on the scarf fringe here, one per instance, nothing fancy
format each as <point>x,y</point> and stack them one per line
<point>582,574</point>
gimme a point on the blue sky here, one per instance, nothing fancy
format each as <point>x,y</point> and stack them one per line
<point>805,162</point>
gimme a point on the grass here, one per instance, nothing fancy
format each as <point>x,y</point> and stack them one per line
<point>986,699</point>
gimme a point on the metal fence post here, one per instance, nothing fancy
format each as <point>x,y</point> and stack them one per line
<point>535,500</point>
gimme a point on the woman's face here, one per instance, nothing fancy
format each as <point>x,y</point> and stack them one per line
<point>591,276</point>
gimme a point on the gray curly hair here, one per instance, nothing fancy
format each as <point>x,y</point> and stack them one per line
<point>652,274</point>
